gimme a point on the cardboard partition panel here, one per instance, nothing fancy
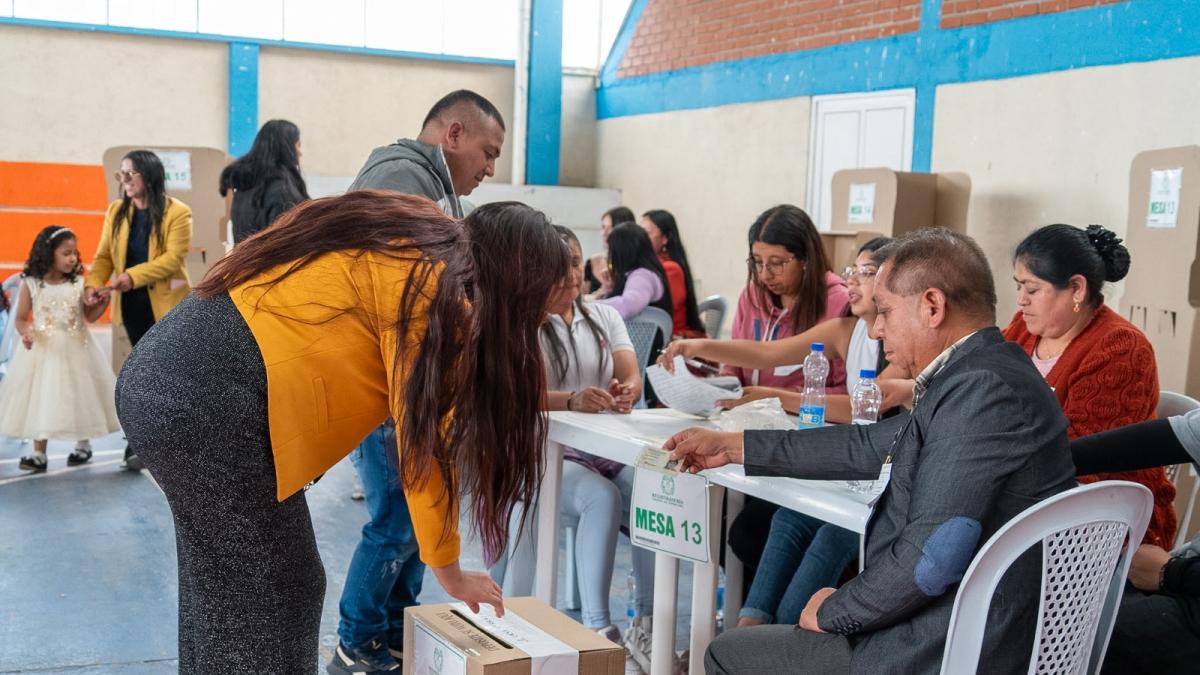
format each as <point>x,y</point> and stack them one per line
<point>192,175</point>
<point>842,247</point>
<point>895,202</point>
<point>1163,237</point>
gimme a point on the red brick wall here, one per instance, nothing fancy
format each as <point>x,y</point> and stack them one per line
<point>674,34</point>
<point>956,13</point>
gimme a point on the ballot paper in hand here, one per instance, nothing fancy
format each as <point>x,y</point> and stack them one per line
<point>687,393</point>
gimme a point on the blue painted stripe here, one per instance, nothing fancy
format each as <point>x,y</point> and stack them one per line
<point>1133,31</point>
<point>243,97</point>
<point>922,152</point>
<point>544,122</point>
<point>287,44</point>
<point>926,98</point>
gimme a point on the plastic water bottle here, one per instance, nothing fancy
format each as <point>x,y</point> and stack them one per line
<point>721,599</point>
<point>812,405</point>
<point>630,598</point>
<point>866,399</point>
<point>865,402</point>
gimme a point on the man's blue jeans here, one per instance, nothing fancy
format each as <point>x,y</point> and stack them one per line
<point>385,573</point>
<point>803,555</point>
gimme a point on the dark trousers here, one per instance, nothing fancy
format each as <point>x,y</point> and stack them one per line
<point>136,314</point>
<point>1154,633</point>
<point>193,399</point>
<point>774,650</point>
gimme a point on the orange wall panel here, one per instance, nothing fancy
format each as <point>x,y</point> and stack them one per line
<point>18,229</point>
<point>45,185</point>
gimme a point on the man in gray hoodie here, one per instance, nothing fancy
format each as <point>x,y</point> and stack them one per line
<point>457,148</point>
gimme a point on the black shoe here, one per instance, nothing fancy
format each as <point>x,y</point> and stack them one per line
<point>34,463</point>
<point>80,455</point>
<point>132,461</point>
<point>372,657</point>
<point>395,645</point>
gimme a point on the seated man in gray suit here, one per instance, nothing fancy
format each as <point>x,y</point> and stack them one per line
<point>985,440</point>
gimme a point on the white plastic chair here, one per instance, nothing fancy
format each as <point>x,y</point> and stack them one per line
<point>644,328</point>
<point>1085,559</point>
<point>712,315</point>
<point>1169,405</point>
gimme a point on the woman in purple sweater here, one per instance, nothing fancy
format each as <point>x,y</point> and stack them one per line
<point>638,278</point>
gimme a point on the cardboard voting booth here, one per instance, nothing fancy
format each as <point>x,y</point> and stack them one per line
<point>1163,238</point>
<point>531,638</point>
<point>869,203</point>
<point>192,175</point>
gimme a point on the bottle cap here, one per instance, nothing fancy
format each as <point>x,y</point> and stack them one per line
<point>866,373</point>
<point>818,346</point>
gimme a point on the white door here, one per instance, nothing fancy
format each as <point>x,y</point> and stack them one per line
<point>856,131</point>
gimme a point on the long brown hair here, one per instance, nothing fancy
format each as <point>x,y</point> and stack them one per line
<point>472,396</point>
<point>790,227</point>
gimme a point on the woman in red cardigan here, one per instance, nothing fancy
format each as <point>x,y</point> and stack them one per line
<point>1100,366</point>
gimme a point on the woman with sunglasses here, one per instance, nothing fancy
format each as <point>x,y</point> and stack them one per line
<point>142,252</point>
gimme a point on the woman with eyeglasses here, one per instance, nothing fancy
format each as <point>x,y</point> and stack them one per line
<point>845,338</point>
<point>791,288</point>
<point>142,252</point>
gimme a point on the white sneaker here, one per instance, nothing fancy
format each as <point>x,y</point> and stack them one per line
<point>610,633</point>
<point>637,646</point>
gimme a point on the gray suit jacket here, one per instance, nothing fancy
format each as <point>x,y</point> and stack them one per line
<point>987,440</point>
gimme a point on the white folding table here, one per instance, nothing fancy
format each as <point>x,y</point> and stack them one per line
<point>621,438</point>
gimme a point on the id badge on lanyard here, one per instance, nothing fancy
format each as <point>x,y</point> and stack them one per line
<point>885,471</point>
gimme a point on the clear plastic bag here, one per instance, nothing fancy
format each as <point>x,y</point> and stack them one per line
<point>764,413</point>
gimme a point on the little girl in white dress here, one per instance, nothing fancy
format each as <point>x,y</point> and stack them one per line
<point>58,383</point>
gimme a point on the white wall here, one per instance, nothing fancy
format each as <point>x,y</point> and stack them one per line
<point>348,104</point>
<point>1057,148</point>
<point>716,169</point>
<point>69,95</point>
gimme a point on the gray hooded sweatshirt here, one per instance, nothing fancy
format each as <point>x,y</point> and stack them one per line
<point>411,167</point>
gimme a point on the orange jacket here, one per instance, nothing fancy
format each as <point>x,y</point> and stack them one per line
<point>327,334</point>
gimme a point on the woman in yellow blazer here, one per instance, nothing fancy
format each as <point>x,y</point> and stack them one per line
<point>143,247</point>
<point>301,341</point>
<point>143,250</point>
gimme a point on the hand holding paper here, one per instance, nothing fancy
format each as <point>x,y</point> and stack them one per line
<point>687,393</point>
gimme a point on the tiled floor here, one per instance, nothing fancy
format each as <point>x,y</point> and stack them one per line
<point>87,565</point>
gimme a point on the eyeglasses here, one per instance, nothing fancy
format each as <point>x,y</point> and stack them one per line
<point>125,176</point>
<point>861,272</point>
<point>774,265</point>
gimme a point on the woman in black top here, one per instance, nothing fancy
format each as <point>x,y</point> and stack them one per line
<point>265,181</point>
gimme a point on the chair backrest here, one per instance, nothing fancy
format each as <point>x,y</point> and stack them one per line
<point>644,328</point>
<point>1171,404</point>
<point>1083,532</point>
<point>712,315</point>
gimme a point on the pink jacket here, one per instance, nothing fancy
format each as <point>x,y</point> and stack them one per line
<point>756,318</point>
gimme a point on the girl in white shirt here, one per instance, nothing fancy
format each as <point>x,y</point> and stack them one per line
<point>590,367</point>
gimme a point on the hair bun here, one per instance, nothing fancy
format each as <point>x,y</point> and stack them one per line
<point>1111,250</point>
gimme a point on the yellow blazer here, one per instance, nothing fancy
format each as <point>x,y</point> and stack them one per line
<point>165,273</point>
<point>327,334</point>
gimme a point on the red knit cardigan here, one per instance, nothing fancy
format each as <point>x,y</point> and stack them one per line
<point>1107,378</point>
